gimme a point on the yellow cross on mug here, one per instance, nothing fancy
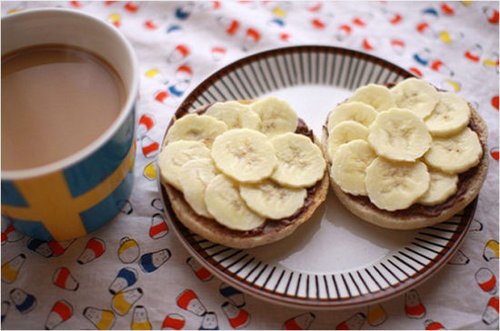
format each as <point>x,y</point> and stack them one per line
<point>58,206</point>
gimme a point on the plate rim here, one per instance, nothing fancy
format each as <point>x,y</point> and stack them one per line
<point>432,268</point>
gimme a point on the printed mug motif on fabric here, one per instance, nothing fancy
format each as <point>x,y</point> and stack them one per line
<point>61,311</point>
<point>11,268</point>
<point>376,315</point>
<point>494,153</point>
<point>491,61</point>
<point>102,319</point>
<point>149,172</point>
<point>299,322</point>
<point>156,204</point>
<point>486,280</point>
<point>188,300</point>
<point>218,53</point>
<point>173,322</point>
<point>40,247</point>
<point>355,322</point>
<point>149,147</point>
<point>459,258</point>
<point>199,271</point>
<point>490,251</point>
<point>94,249</point>
<point>58,248</point>
<point>414,308</point>
<point>140,319</point>
<point>179,53</point>
<point>209,322</point>
<point>494,102</point>
<point>125,207</point>
<point>490,313</point>
<point>10,234</point>
<point>125,278</point>
<point>131,7</point>
<point>393,17</point>
<point>128,251</point>
<point>476,226</point>
<point>123,301</point>
<point>159,227</point>
<point>64,279</point>
<point>235,296</point>
<point>237,317</point>
<point>150,262</point>
<point>23,301</point>
<point>491,15</point>
<point>50,248</point>
<point>145,124</point>
<point>433,325</point>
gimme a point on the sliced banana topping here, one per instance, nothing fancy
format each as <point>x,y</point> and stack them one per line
<point>271,200</point>
<point>245,155</point>
<point>235,115</point>
<point>349,165</point>
<point>455,154</point>
<point>224,202</point>
<point>413,151</point>
<point>416,95</point>
<point>442,186</point>
<point>196,127</point>
<point>175,155</point>
<point>352,111</point>
<point>196,174</point>
<point>399,135</point>
<point>343,133</point>
<point>300,161</point>
<point>451,115</point>
<point>377,96</point>
<point>396,185</point>
<point>276,116</point>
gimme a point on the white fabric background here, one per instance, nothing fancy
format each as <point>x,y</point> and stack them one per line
<point>452,298</point>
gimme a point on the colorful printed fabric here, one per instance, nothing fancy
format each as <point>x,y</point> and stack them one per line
<point>134,273</point>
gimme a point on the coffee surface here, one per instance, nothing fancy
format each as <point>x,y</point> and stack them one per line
<point>55,101</point>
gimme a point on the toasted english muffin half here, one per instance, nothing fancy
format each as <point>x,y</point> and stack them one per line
<point>271,231</point>
<point>418,215</point>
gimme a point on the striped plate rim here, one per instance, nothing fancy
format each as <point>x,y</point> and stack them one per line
<point>397,273</point>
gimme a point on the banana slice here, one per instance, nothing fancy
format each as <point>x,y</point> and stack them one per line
<point>377,96</point>
<point>455,154</point>
<point>343,133</point>
<point>235,115</point>
<point>352,111</point>
<point>396,185</point>
<point>442,186</point>
<point>245,155</point>
<point>349,166</point>
<point>451,115</point>
<point>399,135</point>
<point>271,200</point>
<point>196,174</point>
<point>300,161</point>
<point>224,202</point>
<point>175,155</point>
<point>196,127</point>
<point>416,95</point>
<point>276,116</point>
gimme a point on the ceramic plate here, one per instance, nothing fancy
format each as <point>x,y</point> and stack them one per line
<point>335,260</point>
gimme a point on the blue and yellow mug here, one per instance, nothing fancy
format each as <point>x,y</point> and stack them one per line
<point>77,195</point>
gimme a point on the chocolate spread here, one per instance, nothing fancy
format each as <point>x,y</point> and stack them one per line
<point>269,225</point>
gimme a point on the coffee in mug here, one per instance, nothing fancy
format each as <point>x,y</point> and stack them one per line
<point>56,99</point>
